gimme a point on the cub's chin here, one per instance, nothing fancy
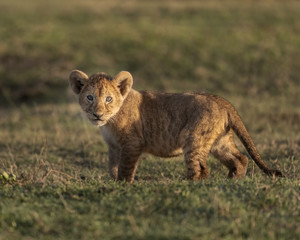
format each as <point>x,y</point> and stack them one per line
<point>98,123</point>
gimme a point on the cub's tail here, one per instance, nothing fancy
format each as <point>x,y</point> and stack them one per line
<point>235,122</point>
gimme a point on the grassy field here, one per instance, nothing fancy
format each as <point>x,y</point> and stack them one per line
<point>245,51</point>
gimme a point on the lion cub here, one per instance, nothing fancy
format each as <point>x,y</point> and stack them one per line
<point>164,125</point>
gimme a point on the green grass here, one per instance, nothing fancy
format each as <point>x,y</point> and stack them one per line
<point>245,51</point>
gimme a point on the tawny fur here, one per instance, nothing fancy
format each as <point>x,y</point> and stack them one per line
<point>164,125</point>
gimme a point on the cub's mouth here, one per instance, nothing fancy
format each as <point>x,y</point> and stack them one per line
<point>97,119</point>
<point>97,122</point>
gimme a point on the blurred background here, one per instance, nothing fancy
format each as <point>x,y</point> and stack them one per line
<point>243,48</point>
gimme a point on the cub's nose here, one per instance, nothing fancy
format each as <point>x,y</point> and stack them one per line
<point>97,116</point>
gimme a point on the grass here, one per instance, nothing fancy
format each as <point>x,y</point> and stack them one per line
<point>245,51</point>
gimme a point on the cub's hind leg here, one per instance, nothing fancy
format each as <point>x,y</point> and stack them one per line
<point>195,160</point>
<point>226,151</point>
<point>196,150</point>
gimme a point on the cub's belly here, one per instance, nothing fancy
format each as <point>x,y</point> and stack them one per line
<point>161,152</point>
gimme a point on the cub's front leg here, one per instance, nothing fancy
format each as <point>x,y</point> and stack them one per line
<point>128,163</point>
<point>114,155</point>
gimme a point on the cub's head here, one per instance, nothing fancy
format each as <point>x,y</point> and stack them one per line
<point>100,95</point>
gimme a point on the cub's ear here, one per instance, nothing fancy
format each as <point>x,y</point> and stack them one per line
<point>77,79</point>
<point>124,82</point>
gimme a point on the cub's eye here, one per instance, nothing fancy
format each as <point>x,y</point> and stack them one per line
<point>90,97</point>
<point>108,99</point>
